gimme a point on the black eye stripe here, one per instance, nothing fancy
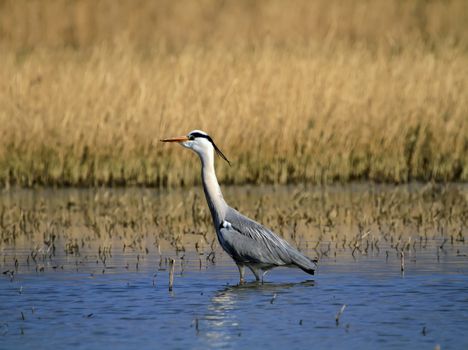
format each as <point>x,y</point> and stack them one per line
<point>197,134</point>
<point>194,135</point>
<point>200,135</point>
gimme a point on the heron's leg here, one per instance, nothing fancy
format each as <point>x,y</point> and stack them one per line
<point>264,274</point>
<point>255,272</point>
<point>241,273</point>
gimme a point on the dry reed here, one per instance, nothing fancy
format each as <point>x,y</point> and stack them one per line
<point>171,274</point>
<point>306,91</point>
<point>95,225</point>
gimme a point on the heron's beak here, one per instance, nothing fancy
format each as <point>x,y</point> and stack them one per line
<point>175,139</point>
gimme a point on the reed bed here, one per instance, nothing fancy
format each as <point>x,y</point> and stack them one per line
<point>315,92</point>
<point>39,229</point>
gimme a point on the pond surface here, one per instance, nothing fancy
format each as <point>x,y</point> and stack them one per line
<point>81,300</point>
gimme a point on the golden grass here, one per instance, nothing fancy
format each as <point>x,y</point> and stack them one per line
<point>316,91</point>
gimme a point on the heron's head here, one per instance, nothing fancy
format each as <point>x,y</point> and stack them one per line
<point>199,142</point>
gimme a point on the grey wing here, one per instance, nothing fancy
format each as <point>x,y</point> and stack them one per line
<point>248,241</point>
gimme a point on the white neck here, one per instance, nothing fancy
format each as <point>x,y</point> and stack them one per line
<point>213,194</point>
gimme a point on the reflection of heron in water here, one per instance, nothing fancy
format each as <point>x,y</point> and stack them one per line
<point>221,321</point>
<point>247,242</point>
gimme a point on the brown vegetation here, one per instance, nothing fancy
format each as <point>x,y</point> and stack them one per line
<point>344,221</point>
<point>313,91</point>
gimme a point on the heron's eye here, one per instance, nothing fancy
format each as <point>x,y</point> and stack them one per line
<point>191,137</point>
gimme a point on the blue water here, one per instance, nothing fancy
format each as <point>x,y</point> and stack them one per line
<point>122,308</point>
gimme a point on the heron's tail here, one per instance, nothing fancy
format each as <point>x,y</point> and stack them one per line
<point>303,262</point>
<point>309,271</point>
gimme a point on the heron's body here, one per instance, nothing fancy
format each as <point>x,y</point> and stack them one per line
<point>247,242</point>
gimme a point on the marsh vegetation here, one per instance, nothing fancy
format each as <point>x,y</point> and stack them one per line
<point>39,228</point>
<point>318,92</point>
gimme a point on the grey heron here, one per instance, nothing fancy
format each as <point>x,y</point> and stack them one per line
<point>246,241</point>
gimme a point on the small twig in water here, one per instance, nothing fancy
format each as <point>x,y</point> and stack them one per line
<point>273,299</point>
<point>171,274</point>
<point>402,261</point>
<point>443,243</point>
<point>338,315</point>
